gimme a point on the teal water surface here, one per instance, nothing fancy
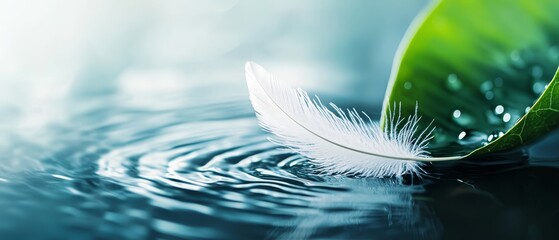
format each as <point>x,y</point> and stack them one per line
<point>184,168</point>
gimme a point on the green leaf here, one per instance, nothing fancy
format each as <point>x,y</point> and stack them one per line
<point>540,120</point>
<point>475,67</point>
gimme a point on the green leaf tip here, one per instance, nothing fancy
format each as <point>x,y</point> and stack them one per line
<point>541,119</point>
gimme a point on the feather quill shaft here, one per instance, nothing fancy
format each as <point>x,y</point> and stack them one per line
<point>339,142</point>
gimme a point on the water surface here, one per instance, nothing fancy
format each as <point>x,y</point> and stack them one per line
<point>187,167</point>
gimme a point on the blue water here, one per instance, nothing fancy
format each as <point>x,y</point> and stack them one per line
<point>184,167</point>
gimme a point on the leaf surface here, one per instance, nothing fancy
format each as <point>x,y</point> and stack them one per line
<point>475,68</point>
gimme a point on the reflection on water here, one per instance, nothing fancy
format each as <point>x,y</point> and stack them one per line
<point>117,167</point>
<point>517,204</point>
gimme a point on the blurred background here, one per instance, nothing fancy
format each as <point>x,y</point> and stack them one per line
<point>52,51</point>
<point>134,115</point>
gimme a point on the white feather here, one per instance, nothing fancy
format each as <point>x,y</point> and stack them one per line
<point>339,142</point>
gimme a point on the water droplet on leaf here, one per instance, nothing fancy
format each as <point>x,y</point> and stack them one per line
<point>506,117</point>
<point>537,72</point>
<point>499,109</point>
<point>461,118</point>
<point>456,113</point>
<point>407,85</point>
<point>494,135</point>
<point>489,95</point>
<point>453,83</point>
<point>492,118</point>
<point>486,86</point>
<point>516,59</point>
<point>469,137</point>
<point>538,87</point>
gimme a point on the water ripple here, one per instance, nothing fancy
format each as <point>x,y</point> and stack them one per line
<point>196,172</point>
<point>116,170</point>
